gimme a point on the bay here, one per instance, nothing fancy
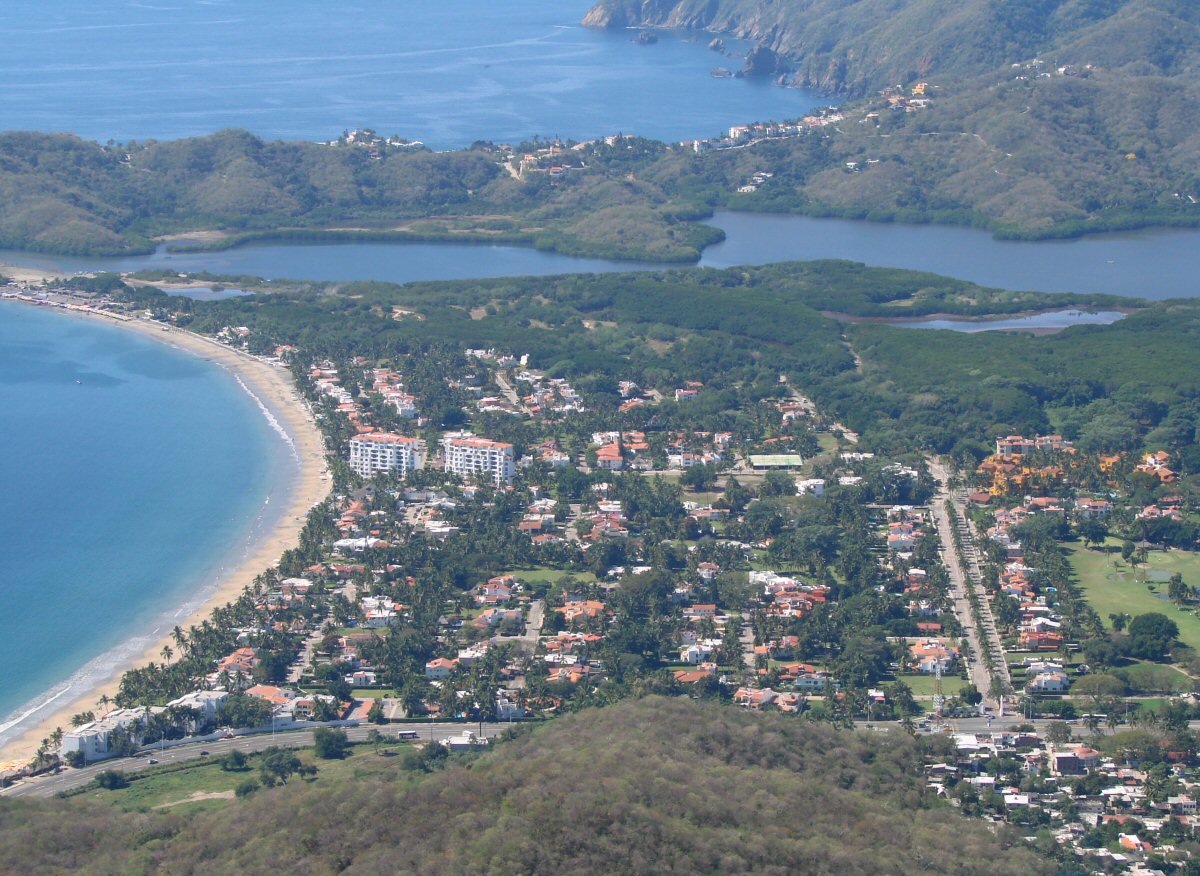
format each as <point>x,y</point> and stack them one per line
<point>132,472</point>
<point>447,74</point>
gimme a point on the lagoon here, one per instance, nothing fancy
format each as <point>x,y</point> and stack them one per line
<point>1147,264</point>
<point>1037,323</point>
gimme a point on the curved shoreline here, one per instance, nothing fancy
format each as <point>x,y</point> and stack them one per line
<point>273,390</point>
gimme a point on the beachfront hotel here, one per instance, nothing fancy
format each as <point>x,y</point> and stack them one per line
<point>478,458</point>
<point>386,451</point>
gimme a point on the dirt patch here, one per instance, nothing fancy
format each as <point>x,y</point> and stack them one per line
<point>197,796</point>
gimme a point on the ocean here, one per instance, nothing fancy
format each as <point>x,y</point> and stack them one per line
<point>447,74</point>
<point>131,473</point>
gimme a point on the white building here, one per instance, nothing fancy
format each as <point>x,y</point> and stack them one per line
<point>474,458</point>
<point>95,739</point>
<point>385,451</point>
<point>205,703</point>
<point>811,486</point>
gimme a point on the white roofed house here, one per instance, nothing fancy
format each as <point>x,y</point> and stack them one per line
<point>1049,681</point>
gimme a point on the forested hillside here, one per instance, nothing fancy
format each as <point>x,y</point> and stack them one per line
<point>1043,117</point>
<point>649,786</point>
<point>860,46</point>
<point>63,194</point>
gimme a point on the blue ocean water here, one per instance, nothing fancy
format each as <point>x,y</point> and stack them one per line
<point>444,73</point>
<point>131,472</point>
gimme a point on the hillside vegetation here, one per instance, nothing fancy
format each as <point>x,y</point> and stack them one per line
<point>739,329</point>
<point>64,194</point>
<point>1097,135</point>
<point>650,786</point>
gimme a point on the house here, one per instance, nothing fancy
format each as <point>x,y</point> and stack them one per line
<point>439,668</point>
<point>507,706</point>
<point>608,457</point>
<point>1050,681</point>
<point>930,655</point>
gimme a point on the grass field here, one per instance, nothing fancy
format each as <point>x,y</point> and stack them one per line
<point>1112,586</point>
<point>534,576</point>
<point>204,785</point>
<point>925,685</point>
<point>1155,678</point>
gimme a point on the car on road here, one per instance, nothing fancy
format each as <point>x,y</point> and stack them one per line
<point>204,753</point>
<point>152,760</point>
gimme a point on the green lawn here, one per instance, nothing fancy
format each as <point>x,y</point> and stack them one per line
<point>925,685</point>
<point>1156,678</point>
<point>1112,586</point>
<point>533,576</point>
<point>828,443</point>
<point>207,786</point>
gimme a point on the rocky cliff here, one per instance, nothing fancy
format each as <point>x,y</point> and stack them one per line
<point>859,46</point>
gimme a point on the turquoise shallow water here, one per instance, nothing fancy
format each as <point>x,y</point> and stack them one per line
<point>131,473</point>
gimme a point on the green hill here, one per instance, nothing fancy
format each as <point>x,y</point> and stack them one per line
<point>860,46</point>
<point>652,786</point>
<point>1047,117</point>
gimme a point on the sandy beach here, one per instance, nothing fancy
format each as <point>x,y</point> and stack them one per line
<point>274,387</point>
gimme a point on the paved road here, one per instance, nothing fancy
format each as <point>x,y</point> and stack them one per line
<point>959,582</point>
<point>49,785</point>
<point>528,640</point>
<point>510,394</point>
<point>972,574</point>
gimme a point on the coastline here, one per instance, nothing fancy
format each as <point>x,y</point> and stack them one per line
<point>273,390</point>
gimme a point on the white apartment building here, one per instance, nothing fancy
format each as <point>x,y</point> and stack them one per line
<point>95,738</point>
<point>474,458</point>
<point>385,451</point>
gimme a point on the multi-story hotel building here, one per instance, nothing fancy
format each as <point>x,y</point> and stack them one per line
<point>474,458</point>
<point>385,451</point>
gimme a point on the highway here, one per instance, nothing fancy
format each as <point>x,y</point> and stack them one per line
<point>51,784</point>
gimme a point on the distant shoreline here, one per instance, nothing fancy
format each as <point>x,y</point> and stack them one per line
<point>273,389</point>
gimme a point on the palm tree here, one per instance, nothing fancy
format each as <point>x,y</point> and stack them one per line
<point>104,702</point>
<point>167,653</point>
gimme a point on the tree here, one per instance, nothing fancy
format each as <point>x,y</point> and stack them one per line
<point>1119,620</point>
<point>330,744</point>
<point>1152,635</point>
<point>1177,591</point>
<point>375,713</point>
<point>970,695</point>
<point>1127,551</point>
<point>1059,732</point>
<point>234,761</point>
<point>112,780</point>
<point>278,764</point>
<point>1092,531</point>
